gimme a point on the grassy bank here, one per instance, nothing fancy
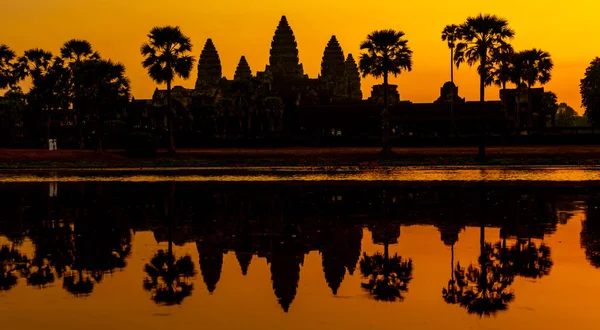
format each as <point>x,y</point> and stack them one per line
<point>313,157</point>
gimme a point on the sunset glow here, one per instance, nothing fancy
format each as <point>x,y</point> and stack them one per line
<point>117,29</point>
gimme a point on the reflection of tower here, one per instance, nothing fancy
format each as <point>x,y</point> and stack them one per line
<point>340,248</point>
<point>244,259</point>
<point>333,262</point>
<point>285,272</point>
<point>211,263</point>
<point>353,248</point>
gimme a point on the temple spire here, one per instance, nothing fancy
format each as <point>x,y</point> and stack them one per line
<point>209,66</point>
<point>352,79</point>
<point>284,60</point>
<point>333,67</point>
<point>243,71</point>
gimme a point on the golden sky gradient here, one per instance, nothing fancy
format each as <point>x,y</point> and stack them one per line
<point>117,28</point>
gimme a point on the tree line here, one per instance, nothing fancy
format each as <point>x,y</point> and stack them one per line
<point>79,79</point>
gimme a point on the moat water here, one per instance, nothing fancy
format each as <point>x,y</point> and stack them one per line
<point>299,254</point>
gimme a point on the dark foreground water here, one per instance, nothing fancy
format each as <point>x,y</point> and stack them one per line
<point>299,255</point>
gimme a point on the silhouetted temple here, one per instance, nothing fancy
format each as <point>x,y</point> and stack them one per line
<point>283,99</point>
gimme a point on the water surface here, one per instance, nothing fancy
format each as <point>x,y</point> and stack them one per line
<point>299,255</point>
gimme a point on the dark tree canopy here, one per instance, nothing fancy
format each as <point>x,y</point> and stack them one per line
<point>386,51</point>
<point>566,116</point>
<point>590,91</point>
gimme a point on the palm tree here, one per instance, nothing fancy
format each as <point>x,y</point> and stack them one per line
<point>450,35</point>
<point>534,66</point>
<point>503,65</point>
<point>105,88</point>
<point>480,37</point>
<point>502,70</point>
<point>7,56</point>
<point>386,52</point>
<point>165,57</point>
<point>49,90</point>
<point>76,51</point>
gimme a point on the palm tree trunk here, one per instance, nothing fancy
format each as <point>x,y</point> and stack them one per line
<point>99,130</point>
<point>452,64</point>
<point>530,108</point>
<point>48,125</point>
<point>452,264</point>
<point>385,120</point>
<point>170,215</point>
<point>483,126</point>
<point>170,119</point>
<point>452,91</point>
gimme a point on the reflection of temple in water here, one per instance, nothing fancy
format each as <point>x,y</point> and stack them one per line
<point>280,222</point>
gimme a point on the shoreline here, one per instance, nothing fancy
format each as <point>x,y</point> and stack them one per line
<point>289,158</point>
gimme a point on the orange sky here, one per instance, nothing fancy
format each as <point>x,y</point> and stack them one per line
<point>117,28</point>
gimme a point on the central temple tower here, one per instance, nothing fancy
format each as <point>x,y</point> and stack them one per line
<point>284,61</point>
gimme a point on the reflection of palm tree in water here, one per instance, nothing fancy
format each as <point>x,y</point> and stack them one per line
<point>484,288</point>
<point>169,278</point>
<point>449,234</point>
<point>386,277</point>
<point>530,260</point>
<point>11,260</point>
<point>100,246</point>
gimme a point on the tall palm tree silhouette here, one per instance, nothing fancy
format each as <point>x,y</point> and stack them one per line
<point>76,51</point>
<point>105,88</point>
<point>450,35</point>
<point>50,80</point>
<point>7,66</point>
<point>502,70</point>
<point>534,66</point>
<point>387,52</point>
<point>165,57</point>
<point>480,36</point>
